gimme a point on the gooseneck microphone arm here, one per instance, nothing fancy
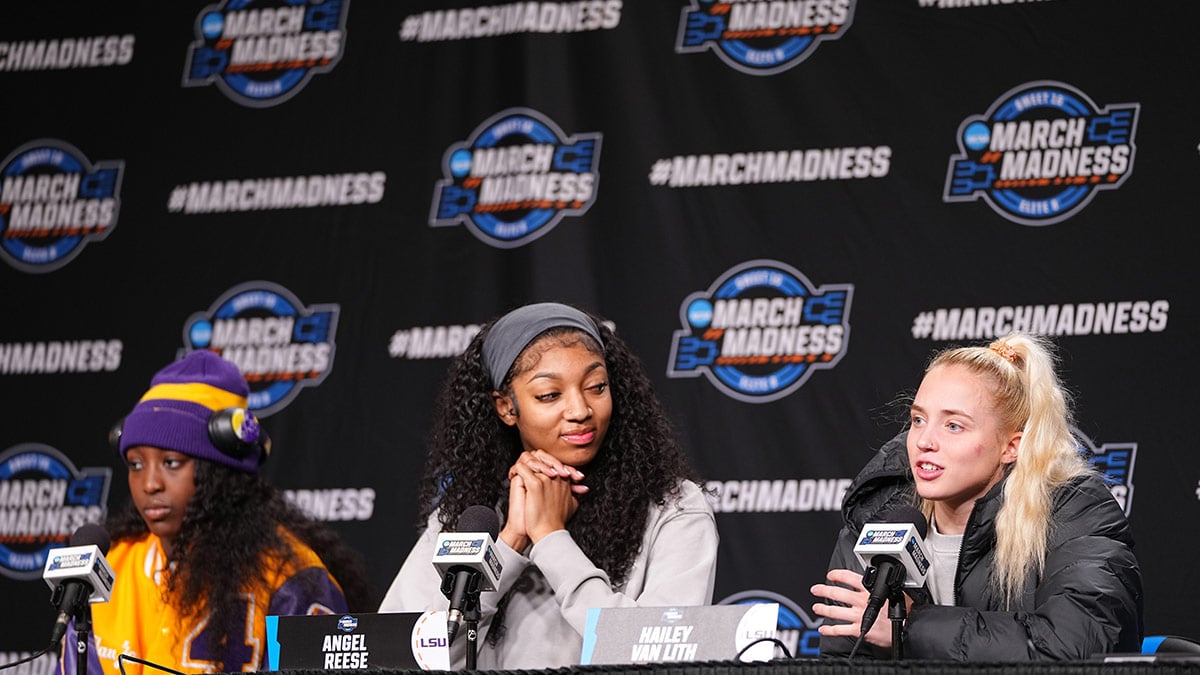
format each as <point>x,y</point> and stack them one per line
<point>461,587</point>
<point>883,579</point>
<point>70,598</point>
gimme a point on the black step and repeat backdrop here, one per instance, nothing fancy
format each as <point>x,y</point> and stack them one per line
<point>784,205</point>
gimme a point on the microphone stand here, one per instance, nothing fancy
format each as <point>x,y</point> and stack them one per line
<point>471,623</point>
<point>897,612</point>
<point>470,611</point>
<point>83,630</point>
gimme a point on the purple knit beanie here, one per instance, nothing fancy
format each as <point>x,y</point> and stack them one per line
<point>174,413</point>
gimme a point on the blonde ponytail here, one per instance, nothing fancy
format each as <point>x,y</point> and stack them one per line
<point>1028,397</point>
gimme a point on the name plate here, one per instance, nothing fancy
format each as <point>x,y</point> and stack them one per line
<point>405,640</point>
<point>665,634</point>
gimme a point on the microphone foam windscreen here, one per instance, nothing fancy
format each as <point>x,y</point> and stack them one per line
<point>908,515</point>
<point>90,534</point>
<point>479,519</point>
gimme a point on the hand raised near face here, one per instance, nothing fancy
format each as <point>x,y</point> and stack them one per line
<point>525,472</point>
<point>540,461</point>
<point>551,491</point>
<point>514,533</point>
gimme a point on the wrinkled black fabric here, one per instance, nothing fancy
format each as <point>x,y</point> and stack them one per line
<point>1088,600</point>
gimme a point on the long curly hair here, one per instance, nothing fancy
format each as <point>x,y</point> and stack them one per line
<point>640,462</point>
<point>230,529</point>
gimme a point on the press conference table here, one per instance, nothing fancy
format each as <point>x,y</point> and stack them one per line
<point>1161,666</point>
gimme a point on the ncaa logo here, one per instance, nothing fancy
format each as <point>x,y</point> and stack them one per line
<point>261,53</point>
<point>280,345</point>
<point>1041,153</point>
<point>760,331</point>
<point>515,178</point>
<point>761,37</point>
<point>54,202</point>
<point>43,499</point>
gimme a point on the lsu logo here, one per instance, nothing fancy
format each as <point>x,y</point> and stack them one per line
<point>43,499</point>
<point>515,178</point>
<point>794,629</point>
<point>1114,461</point>
<point>1042,152</point>
<point>54,202</point>
<point>760,331</point>
<point>280,345</point>
<point>262,53</point>
<point>762,37</point>
<point>429,641</point>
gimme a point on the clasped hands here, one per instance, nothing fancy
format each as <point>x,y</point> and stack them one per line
<point>542,496</point>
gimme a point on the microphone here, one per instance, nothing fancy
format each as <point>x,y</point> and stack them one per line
<point>467,563</point>
<point>76,574</point>
<point>893,554</point>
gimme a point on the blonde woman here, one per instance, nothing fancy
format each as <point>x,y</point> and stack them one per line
<point>1031,557</point>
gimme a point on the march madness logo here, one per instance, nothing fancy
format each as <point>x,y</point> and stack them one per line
<point>762,37</point>
<point>1114,461</point>
<point>280,345</point>
<point>43,500</point>
<point>794,628</point>
<point>262,53</point>
<point>54,202</point>
<point>760,331</point>
<point>1042,152</point>
<point>515,178</point>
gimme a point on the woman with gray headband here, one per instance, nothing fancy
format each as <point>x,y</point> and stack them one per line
<point>549,417</point>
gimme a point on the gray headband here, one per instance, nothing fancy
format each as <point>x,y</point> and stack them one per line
<point>513,332</point>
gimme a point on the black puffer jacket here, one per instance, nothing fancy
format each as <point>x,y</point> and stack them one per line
<point>1088,601</point>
